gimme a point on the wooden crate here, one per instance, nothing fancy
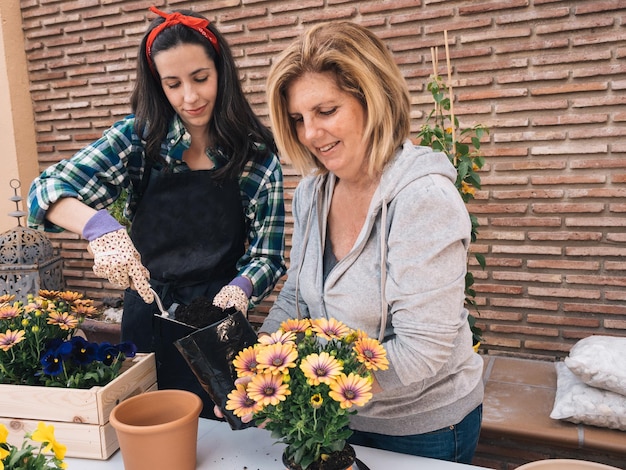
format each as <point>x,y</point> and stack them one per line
<point>80,417</point>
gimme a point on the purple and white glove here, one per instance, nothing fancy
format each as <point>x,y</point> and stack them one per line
<point>235,294</point>
<point>114,255</point>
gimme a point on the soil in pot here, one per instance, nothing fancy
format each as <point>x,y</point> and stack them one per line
<point>340,460</point>
<point>200,313</point>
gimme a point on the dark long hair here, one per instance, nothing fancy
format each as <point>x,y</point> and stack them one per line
<point>234,127</point>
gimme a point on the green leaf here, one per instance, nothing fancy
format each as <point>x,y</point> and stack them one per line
<point>481,260</point>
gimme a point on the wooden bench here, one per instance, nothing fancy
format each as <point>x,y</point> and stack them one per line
<point>517,428</point>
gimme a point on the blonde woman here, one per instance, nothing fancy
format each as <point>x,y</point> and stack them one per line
<point>380,239</point>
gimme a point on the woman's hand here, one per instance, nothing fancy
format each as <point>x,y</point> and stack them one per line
<point>244,419</point>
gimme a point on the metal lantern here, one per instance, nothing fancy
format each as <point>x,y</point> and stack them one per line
<point>27,259</point>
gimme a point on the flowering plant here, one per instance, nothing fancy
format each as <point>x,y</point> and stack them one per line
<point>28,456</point>
<point>39,345</point>
<point>303,382</point>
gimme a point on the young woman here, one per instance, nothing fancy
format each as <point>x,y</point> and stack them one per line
<point>380,238</point>
<point>205,188</point>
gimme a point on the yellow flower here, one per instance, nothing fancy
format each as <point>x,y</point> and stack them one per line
<point>316,401</point>
<point>277,358</point>
<point>6,298</point>
<point>49,294</point>
<point>320,368</point>
<point>84,308</point>
<point>329,329</point>
<point>9,311</point>
<point>351,390</point>
<point>371,354</point>
<point>467,189</point>
<point>11,338</point>
<point>283,337</point>
<point>295,325</point>
<point>3,454</point>
<point>4,433</point>
<point>240,403</point>
<point>268,389</point>
<point>245,362</point>
<point>65,321</point>
<point>69,296</point>
<point>45,434</point>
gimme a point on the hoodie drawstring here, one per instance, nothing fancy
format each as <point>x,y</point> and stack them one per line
<point>384,308</point>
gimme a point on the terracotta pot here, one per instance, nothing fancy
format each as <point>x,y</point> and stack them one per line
<point>158,430</point>
<point>565,464</point>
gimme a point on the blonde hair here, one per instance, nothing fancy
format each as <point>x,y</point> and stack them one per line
<point>363,67</point>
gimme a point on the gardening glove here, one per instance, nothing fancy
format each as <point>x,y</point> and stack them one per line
<point>115,256</point>
<point>235,294</point>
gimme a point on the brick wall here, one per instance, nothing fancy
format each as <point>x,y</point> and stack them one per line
<point>547,77</point>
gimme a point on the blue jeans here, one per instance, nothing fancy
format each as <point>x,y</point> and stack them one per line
<point>454,443</point>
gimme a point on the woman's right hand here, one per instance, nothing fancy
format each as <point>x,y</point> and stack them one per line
<point>244,419</point>
<point>116,259</point>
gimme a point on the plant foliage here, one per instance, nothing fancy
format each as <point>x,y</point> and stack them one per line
<point>462,146</point>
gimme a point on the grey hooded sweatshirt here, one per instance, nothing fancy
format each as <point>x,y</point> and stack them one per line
<point>403,282</point>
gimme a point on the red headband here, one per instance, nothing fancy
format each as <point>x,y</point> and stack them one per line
<point>197,24</point>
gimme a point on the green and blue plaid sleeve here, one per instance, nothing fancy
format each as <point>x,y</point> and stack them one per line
<point>264,261</point>
<point>95,175</point>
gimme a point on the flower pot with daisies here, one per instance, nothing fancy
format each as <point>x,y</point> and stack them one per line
<point>303,382</point>
<point>42,354</point>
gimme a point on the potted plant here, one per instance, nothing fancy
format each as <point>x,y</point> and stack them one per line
<point>303,383</point>
<point>39,345</point>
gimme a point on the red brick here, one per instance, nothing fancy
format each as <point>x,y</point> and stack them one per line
<point>570,119</point>
<point>598,6</point>
<point>578,25</point>
<point>531,106</point>
<point>523,46</point>
<point>547,345</point>
<point>490,7</point>
<point>525,277</point>
<point>599,251</point>
<point>524,330</point>
<point>571,88</point>
<point>598,70</point>
<point>565,236</point>
<point>533,15</point>
<point>615,295</point>
<point>566,321</point>
<point>568,180</point>
<point>594,308</point>
<point>543,208</point>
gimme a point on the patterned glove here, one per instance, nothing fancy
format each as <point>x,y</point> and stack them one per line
<point>232,296</point>
<point>116,259</point>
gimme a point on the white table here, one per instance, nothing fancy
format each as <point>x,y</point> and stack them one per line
<point>220,448</point>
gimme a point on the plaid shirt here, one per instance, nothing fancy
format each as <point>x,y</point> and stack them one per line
<point>97,174</point>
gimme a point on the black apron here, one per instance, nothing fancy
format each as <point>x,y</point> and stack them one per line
<point>190,231</point>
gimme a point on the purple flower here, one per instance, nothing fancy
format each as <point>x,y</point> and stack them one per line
<point>83,352</point>
<point>107,353</point>
<point>129,349</point>
<point>52,362</point>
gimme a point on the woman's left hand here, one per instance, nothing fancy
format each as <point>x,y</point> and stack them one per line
<point>232,296</point>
